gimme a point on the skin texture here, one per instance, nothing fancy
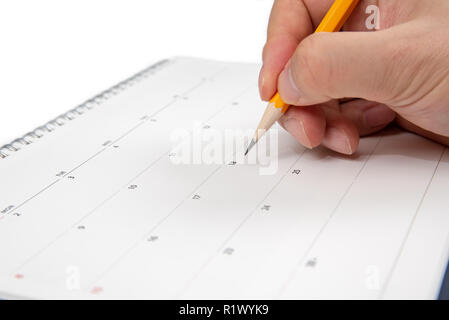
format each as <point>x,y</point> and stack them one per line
<point>345,85</point>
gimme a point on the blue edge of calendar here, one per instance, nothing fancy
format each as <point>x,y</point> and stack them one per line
<point>444,291</point>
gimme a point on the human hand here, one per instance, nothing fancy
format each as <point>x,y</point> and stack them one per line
<point>345,85</point>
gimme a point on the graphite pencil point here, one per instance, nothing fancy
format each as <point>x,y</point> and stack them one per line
<point>251,145</point>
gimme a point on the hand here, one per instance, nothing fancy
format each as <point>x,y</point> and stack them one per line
<point>348,84</point>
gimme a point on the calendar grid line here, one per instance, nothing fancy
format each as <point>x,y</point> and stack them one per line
<point>298,265</point>
<point>153,228</point>
<point>84,162</point>
<point>234,232</point>
<point>37,194</point>
<point>138,125</point>
<point>129,182</point>
<point>183,201</point>
<point>404,241</point>
<point>141,122</point>
<point>128,132</point>
<point>191,89</point>
<point>252,212</point>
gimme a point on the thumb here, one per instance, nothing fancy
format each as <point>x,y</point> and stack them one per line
<point>337,65</point>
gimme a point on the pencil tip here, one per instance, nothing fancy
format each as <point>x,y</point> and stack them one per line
<point>251,145</point>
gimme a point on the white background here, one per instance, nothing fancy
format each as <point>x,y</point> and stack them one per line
<point>55,54</point>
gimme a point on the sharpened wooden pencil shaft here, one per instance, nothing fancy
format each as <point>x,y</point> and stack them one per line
<point>271,115</point>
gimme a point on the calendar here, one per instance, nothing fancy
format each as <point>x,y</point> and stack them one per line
<point>107,201</point>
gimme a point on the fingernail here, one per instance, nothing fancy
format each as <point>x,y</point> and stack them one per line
<point>338,140</point>
<point>296,128</point>
<point>378,116</point>
<point>261,81</point>
<point>287,86</point>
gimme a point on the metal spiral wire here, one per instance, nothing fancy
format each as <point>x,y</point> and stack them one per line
<point>38,133</point>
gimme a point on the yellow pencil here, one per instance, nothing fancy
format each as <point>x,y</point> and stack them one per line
<point>333,21</point>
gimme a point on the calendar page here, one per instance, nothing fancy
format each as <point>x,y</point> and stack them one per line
<point>143,192</point>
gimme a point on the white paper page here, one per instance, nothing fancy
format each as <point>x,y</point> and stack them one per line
<point>99,208</point>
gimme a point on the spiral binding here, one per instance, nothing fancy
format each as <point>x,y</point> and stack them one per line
<point>50,126</point>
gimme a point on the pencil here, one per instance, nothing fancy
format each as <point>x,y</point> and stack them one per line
<point>333,21</point>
